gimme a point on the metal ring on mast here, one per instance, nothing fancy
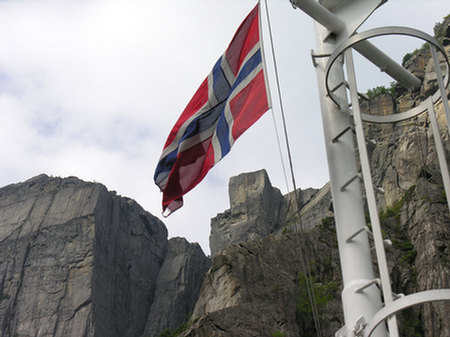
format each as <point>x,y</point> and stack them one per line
<point>392,307</point>
<point>391,30</point>
<point>405,302</point>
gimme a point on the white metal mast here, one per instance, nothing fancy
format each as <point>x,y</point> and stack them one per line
<point>336,22</point>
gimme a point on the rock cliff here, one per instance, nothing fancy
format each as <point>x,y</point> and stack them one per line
<point>77,260</point>
<point>255,288</point>
<point>177,286</point>
<point>258,209</point>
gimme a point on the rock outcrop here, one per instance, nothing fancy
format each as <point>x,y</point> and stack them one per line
<point>257,209</point>
<point>254,208</point>
<point>255,288</point>
<point>177,286</point>
<point>77,260</point>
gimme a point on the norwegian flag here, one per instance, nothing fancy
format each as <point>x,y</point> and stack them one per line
<point>228,102</point>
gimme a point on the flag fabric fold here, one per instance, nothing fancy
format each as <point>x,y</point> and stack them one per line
<point>228,102</point>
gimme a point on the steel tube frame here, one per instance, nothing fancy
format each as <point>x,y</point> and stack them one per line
<point>361,297</point>
<point>355,254</point>
<point>370,193</point>
<point>405,302</point>
<point>439,148</point>
<point>336,26</point>
<point>426,106</point>
<point>361,38</point>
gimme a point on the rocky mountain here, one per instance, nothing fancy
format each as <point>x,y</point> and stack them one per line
<point>77,260</point>
<point>258,209</point>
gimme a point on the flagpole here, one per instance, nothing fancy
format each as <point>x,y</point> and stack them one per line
<point>266,79</point>
<point>348,205</point>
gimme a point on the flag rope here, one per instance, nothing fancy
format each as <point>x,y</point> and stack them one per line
<point>266,77</point>
<point>299,226</point>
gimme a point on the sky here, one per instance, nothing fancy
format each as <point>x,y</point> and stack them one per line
<point>92,88</point>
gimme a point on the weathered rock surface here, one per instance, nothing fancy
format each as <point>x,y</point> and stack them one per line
<point>46,257</point>
<point>254,208</point>
<point>77,260</point>
<point>177,287</point>
<point>430,80</point>
<point>380,105</point>
<point>253,289</point>
<point>129,249</point>
<point>416,215</point>
<point>319,207</point>
<point>257,209</point>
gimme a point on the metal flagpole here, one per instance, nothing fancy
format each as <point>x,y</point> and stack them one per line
<point>360,297</point>
<point>356,261</point>
<point>336,22</point>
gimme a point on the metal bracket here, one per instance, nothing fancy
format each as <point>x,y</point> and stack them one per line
<point>314,56</point>
<point>356,176</point>
<point>351,237</point>
<point>398,296</point>
<point>340,134</point>
<point>405,302</point>
<point>376,281</point>
<point>360,325</point>
<point>386,243</point>
<point>379,189</point>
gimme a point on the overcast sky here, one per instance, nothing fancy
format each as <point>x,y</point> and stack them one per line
<point>91,88</point>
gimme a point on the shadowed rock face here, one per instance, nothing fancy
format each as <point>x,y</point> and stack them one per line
<point>255,205</point>
<point>75,260</point>
<point>257,209</point>
<point>46,257</point>
<point>129,249</point>
<point>177,286</point>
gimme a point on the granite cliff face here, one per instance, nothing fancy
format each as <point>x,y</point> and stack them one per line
<point>177,286</point>
<point>257,209</point>
<point>77,260</point>
<point>255,288</point>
